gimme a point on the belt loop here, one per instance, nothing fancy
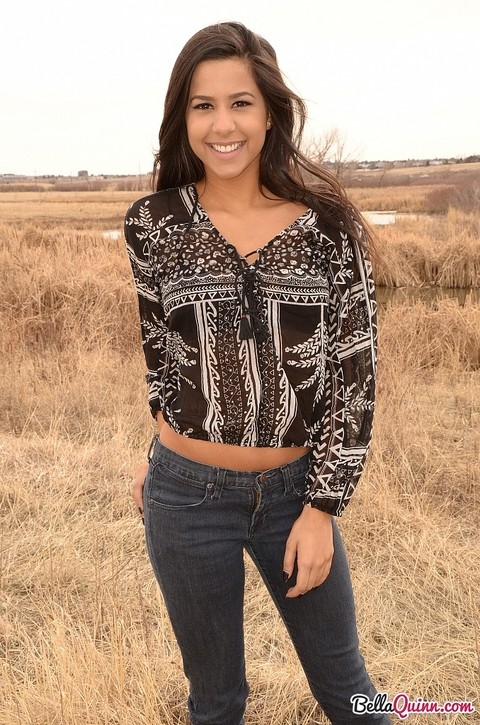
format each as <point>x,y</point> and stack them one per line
<point>152,448</point>
<point>219,483</point>
<point>287,479</point>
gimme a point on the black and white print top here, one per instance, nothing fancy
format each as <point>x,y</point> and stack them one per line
<point>276,353</point>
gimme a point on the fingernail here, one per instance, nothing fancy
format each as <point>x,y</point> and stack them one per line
<point>286,576</point>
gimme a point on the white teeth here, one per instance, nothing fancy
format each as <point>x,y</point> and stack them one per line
<point>226,149</point>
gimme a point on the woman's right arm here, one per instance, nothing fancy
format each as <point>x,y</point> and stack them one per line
<point>140,474</point>
<point>152,321</point>
<point>138,230</point>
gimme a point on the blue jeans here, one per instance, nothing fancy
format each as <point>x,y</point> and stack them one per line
<point>198,521</point>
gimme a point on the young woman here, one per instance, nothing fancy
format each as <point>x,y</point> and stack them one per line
<point>258,321</point>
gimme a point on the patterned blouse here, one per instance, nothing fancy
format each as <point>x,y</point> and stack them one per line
<point>276,353</point>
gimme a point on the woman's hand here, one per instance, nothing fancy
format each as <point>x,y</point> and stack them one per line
<point>136,488</point>
<point>310,543</point>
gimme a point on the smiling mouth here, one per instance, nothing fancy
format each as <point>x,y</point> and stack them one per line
<point>226,148</point>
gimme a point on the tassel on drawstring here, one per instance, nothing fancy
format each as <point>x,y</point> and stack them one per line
<point>260,329</point>
<point>245,327</point>
<point>250,321</point>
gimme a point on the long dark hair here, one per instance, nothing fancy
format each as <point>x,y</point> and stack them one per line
<point>282,165</point>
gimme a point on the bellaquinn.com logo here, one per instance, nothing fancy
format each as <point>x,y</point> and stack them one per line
<point>402,706</point>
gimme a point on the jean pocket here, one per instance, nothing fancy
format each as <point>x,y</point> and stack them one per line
<point>168,490</point>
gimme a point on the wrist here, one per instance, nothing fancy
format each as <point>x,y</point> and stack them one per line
<point>313,512</point>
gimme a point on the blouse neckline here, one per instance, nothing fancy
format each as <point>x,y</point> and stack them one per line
<point>259,250</point>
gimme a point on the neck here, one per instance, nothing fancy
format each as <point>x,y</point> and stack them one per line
<point>240,193</point>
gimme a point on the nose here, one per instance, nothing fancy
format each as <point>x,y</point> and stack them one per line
<point>223,121</point>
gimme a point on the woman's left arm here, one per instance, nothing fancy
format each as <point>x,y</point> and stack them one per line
<point>344,414</point>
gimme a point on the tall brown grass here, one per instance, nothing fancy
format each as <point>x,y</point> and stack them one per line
<point>407,199</point>
<point>438,251</point>
<point>84,636</point>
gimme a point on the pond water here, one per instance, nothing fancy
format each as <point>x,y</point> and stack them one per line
<point>112,234</point>
<point>385,218</point>
<point>380,218</point>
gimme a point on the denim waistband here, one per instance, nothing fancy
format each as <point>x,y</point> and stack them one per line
<point>232,477</point>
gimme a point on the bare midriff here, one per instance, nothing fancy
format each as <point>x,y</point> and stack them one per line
<point>223,455</point>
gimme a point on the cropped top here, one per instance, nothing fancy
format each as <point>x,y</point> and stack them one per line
<point>281,352</point>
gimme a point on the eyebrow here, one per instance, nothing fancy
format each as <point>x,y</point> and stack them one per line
<point>232,95</point>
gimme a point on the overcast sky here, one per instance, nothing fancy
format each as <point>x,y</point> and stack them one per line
<point>82,83</point>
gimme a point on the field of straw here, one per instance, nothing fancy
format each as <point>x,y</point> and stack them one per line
<point>84,636</point>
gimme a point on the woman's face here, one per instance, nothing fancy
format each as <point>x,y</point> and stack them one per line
<point>226,118</point>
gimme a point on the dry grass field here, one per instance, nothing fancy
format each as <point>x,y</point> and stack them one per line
<point>435,250</point>
<point>84,637</point>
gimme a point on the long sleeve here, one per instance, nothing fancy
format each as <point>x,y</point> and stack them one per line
<point>152,316</point>
<point>344,413</point>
